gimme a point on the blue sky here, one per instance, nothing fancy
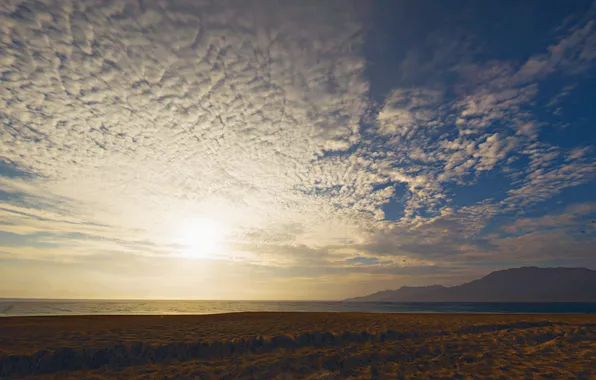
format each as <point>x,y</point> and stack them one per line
<point>292,150</point>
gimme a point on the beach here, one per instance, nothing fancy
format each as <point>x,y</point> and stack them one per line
<point>299,346</point>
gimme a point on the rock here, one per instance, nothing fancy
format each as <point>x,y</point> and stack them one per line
<point>46,362</point>
<point>374,372</point>
<point>467,358</point>
<point>282,341</point>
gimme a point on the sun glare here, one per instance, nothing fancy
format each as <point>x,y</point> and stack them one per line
<point>202,238</point>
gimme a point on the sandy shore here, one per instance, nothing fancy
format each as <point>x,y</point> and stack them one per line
<point>300,346</point>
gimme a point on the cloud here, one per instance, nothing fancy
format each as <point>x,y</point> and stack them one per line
<point>359,260</point>
<point>486,125</point>
<point>144,116</point>
<point>406,110</point>
<point>124,123</point>
<point>573,216</point>
<point>572,53</point>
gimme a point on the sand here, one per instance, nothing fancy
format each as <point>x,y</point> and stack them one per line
<point>300,346</point>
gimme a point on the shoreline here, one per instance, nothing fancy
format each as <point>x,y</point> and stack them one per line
<point>466,313</point>
<point>150,314</point>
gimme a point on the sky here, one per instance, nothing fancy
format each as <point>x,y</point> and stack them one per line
<point>186,149</point>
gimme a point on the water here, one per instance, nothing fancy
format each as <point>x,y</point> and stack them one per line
<point>10,307</point>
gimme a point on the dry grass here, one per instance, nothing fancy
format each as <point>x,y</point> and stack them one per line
<point>427,346</point>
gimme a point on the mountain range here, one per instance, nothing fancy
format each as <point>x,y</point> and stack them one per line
<point>525,284</point>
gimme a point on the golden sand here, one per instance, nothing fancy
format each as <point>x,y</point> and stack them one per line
<point>300,346</point>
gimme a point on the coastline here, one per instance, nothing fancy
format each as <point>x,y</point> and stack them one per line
<point>299,343</point>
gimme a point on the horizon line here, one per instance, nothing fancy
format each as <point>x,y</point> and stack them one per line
<point>162,299</point>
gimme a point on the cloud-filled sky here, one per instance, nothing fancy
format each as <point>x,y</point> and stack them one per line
<point>291,149</point>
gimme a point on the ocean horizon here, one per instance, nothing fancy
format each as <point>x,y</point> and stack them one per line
<point>14,307</point>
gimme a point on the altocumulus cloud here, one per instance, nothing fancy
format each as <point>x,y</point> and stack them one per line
<point>140,117</point>
<point>126,122</point>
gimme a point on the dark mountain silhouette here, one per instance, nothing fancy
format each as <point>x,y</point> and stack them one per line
<point>525,284</point>
<point>403,293</point>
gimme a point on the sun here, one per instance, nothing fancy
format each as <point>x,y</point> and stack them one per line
<point>202,238</point>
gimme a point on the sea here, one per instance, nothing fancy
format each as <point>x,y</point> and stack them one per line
<point>30,307</point>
